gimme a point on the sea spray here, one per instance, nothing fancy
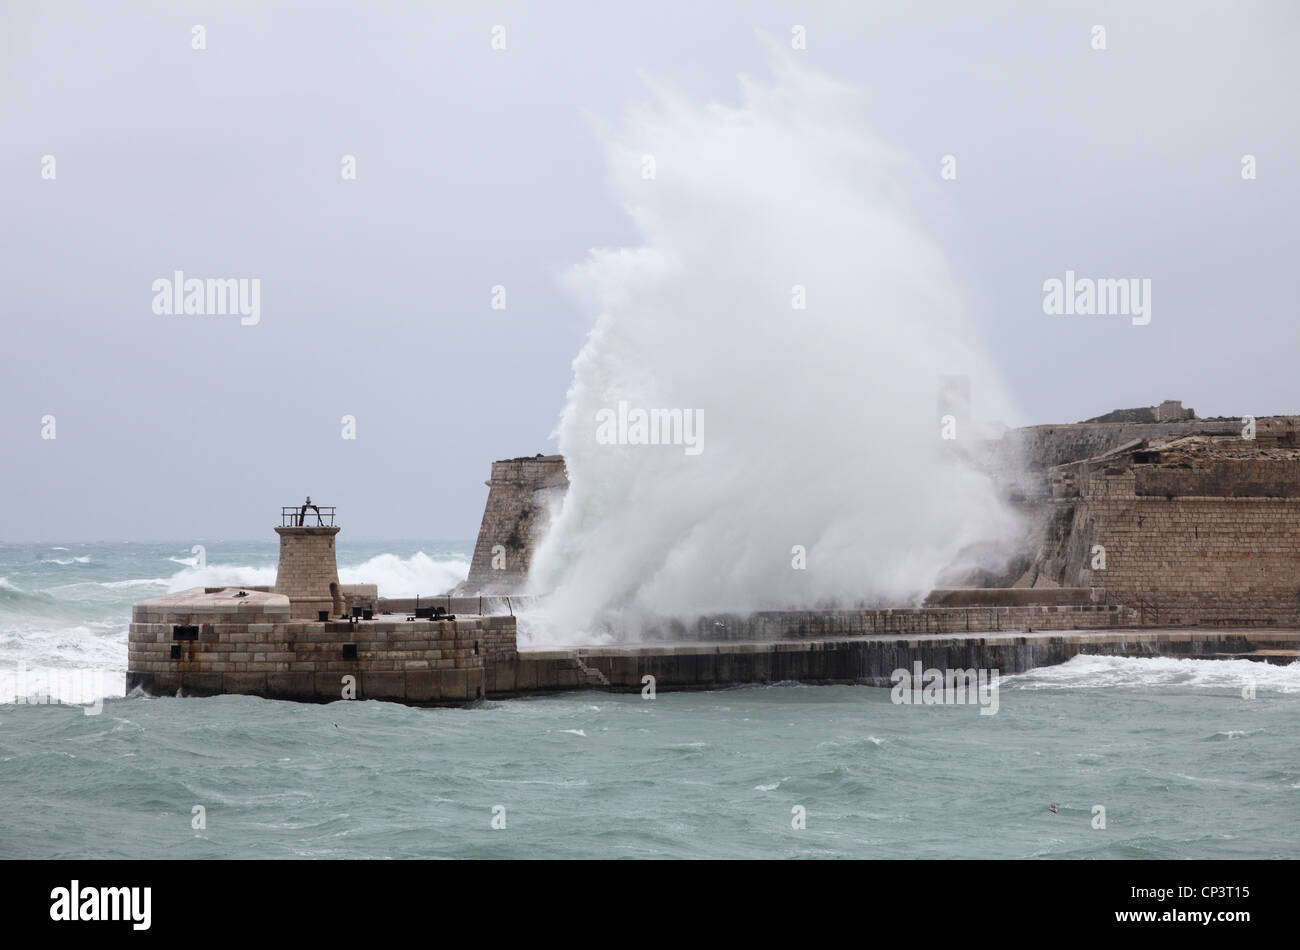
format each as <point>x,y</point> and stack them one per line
<point>784,289</point>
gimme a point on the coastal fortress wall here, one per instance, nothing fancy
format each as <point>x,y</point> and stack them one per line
<point>1199,530</point>
<point>523,493</point>
<point>1206,535</point>
<point>1034,450</point>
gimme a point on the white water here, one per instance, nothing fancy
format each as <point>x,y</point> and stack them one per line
<point>63,631</point>
<point>820,425</point>
<point>407,577</point>
<point>1097,672</point>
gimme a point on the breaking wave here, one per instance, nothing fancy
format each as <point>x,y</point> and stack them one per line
<point>787,291</point>
<point>1100,672</point>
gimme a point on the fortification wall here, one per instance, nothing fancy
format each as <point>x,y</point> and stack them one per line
<point>1251,547</point>
<point>1042,447</point>
<point>1217,543</point>
<point>522,495</point>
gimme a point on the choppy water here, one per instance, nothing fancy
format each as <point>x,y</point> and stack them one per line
<point>66,606</point>
<point>1184,764</point>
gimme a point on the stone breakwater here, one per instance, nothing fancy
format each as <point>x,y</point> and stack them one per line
<point>237,640</point>
<point>864,660</point>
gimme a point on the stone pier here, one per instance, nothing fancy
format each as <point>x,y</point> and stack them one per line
<point>209,641</point>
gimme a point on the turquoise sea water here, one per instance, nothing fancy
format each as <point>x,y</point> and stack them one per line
<point>1183,762</point>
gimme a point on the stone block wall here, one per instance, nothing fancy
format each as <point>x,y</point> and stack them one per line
<point>1015,597</point>
<point>213,605</point>
<point>772,625</point>
<point>1023,456</point>
<point>1045,446</point>
<point>873,660</point>
<point>359,595</point>
<point>522,495</point>
<point>418,662</point>
<point>1215,557</point>
<point>478,604</point>
<point>308,573</point>
<point>1261,478</point>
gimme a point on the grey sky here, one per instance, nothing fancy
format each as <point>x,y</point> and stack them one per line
<point>478,167</point>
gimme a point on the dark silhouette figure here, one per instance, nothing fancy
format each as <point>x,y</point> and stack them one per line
<point>302,514</point>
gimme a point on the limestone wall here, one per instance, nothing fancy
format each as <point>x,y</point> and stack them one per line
<point>522,494</point>
<point>1045,446</point>
<point>524,491</point>
<point>774,625</point>
<point>1242,567</point>
<point>866,660</point>
<point>1212,543</point>
<point>308,574</point>
<point>411,661</point>
<point>478,604</point>
<point>359,595</point>
<point>1264,478</point>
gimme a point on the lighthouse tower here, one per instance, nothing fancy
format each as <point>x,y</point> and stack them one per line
<point>308,574</point>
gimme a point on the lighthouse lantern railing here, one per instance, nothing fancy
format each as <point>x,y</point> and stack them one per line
<point>296,516</point>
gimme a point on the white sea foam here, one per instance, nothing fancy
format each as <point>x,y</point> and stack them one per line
<point>60,628</point>
<point>136,582</point>
<point>407,577</point>
<point>822,429</point>
<point>221,575</point>
<point>396,576</point>
<point>1097,672</point>
<point>59,685</point>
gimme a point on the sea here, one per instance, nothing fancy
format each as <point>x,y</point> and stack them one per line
<point>1100,757</point>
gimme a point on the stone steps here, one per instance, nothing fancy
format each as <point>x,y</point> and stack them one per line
<point>592,676</point>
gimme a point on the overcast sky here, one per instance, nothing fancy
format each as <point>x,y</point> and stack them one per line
<point>478,167</point>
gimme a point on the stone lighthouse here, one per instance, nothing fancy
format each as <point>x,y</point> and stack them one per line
<point>308,573</point>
